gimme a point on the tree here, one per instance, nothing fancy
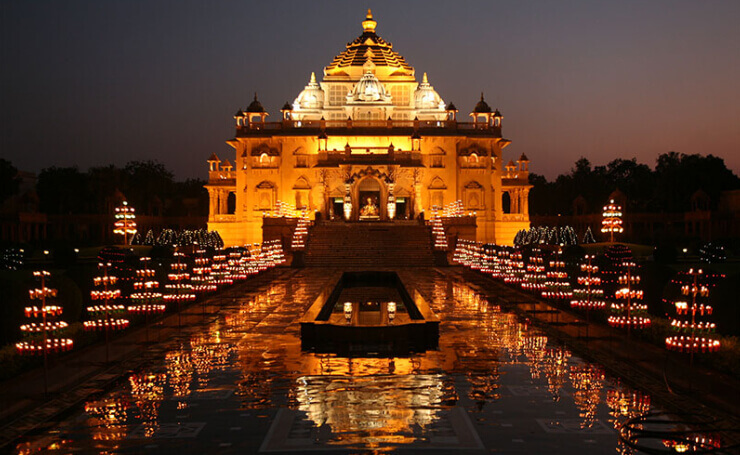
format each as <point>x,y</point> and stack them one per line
<point>9,180</point>
<point>62,190</point>
<point>102,183</point>
<point>679,176</point>
<point>145,181</point>
<point>633,179</point>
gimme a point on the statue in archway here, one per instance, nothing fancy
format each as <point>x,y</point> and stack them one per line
<point>370,209</point>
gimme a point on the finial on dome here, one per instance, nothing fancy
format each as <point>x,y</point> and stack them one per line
<point>369,24</point>
<point>424,78</point>
<point>313,78</point>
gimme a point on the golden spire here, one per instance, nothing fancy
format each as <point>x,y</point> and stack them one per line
<point>369,24</point>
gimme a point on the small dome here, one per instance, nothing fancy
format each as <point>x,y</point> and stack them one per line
<point>497,114</point>
<point>255,106</point>
<point>311,97</point>
<point>523,157</point>
<point>369,89</point>
<point>482,106</point>
<point>239,114</point>
<point>286,107</point>
<point>426,97</point>
<point>451,107</point>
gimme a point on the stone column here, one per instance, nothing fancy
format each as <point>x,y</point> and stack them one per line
<point>417,199</point>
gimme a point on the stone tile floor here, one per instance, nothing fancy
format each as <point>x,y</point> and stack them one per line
<point>241,384</point>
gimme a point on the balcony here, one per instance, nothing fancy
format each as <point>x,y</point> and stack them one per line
<point>378,127</point>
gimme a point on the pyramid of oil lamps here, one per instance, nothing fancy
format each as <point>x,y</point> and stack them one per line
<point>611,222</point>
<point>557,281</point>
<point>300,234</point>
<point>179,289</point>
<point>629,311</point>
<point>125,223</point>
<point>220,271</point>
<point>275,253</point>
<point>461,255</point>
<point>43,336</point>
<point>588,295</point>
<point>514,268</point>
<point>694,331</point>
<point>105,311</point>
<point>438,231</point>
<point>146,299</point>
<point>237,267</point>
<point>535,275</point>
<point>201,276</point>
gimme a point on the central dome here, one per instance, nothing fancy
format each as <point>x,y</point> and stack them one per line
<point>369,89</point>
<point>368,47</point>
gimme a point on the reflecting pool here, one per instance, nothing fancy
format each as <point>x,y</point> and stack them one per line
<point>241,384</point>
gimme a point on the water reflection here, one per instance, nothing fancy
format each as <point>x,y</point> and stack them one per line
<point>147,393</point>
<point>587,380</point>
<point>376,408</point>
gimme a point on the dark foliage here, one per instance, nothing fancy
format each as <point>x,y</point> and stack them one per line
<point>667,188</point>
<point>147,185</point>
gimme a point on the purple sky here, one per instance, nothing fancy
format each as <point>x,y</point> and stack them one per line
<point>101,82</point>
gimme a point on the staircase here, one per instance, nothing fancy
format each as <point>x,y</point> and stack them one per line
<point>373,244</point>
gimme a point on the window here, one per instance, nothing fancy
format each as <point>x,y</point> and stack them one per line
<point>369,115</point>
<point>301,161</point>
<point>437,161</point>
<point>400,95</point>
<point>337,95</point>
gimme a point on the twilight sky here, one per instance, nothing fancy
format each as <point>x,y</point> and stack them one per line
<point>92,83</point>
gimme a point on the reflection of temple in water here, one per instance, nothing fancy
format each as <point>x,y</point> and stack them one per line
<point>368,141</point>
<point>374,401</point>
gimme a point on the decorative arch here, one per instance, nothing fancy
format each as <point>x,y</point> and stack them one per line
<point>302,190</point>
<point>258,150</point>
<point>302,183</point>
<point>265,195</point>
<point>437,184</point>
<point>370,172</point>
<point>505,202</point>
<point>474,196</point>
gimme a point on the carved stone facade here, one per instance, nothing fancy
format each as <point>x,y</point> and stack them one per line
<point>368,135</point>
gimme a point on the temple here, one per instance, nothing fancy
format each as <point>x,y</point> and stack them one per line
<point>368,143</point>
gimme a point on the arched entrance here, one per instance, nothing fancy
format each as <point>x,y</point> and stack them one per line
<point>370,199</point>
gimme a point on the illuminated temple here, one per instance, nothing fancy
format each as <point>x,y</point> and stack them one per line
<point>368,143</point>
